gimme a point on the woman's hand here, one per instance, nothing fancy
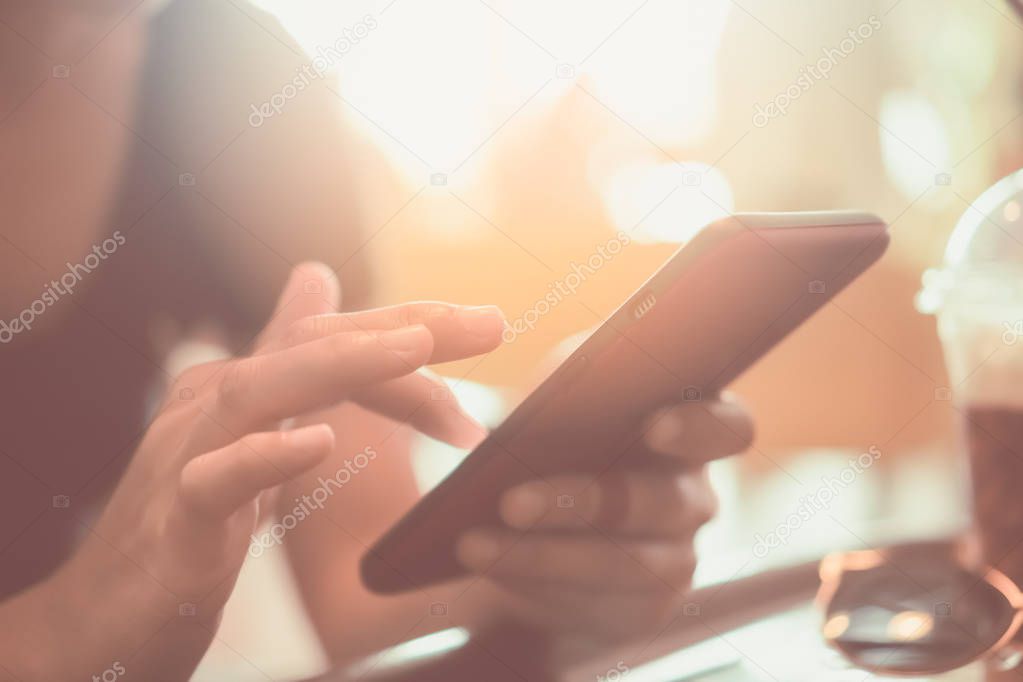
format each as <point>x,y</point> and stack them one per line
<point>147,587</point>
<point>612,554</point>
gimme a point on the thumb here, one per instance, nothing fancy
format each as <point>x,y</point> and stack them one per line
<point>312,289</point>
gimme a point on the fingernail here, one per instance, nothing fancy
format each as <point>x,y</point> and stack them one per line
<point>308,438</point>
<point>311,438</point>
<point>484,320</point>
<point>315,278</point>
<point>405,341</point>
<point>478,550</point>
<point>524,506</point>
<point>466,432</point>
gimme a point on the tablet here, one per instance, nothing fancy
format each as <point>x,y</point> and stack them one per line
<point>716,306</point>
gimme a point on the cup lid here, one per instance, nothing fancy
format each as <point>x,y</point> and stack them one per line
<point>984,256</point>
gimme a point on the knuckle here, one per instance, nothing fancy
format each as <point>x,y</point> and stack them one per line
<point>188,480</point>
<point>426,313</point>
<point>252,452</point>
<point>745,433</point>
<point>202,369</point>
<point>673,565</point>
<point>681,565</point>
<point>402,316</point>
<point>661,428</point>
<point>652,558</point>
<point>340,346</point>
<point>235,384</point>
<point>741,424</point>
<point>441,310</point>
<point>315,327</point>
<point>252,444</point>
<point>700,500</point>
<point>660,611</point>
<point>680,517</point>
<point>678,496</point>
<point>333,323</point>
<point>749,432</point>
<point>653,610</point>
<point>298,332</point>
<point>192,378</point>
<point>336,323</point>
<point>711,504</point>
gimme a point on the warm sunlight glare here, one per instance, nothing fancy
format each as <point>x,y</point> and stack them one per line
<point>483,67</point>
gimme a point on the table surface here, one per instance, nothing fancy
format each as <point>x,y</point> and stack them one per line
<point>782,648</point>
<point>265,632</point>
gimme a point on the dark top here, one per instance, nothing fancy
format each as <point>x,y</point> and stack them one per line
<point>76,397</point>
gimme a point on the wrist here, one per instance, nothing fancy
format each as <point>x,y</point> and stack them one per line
<point>35,643</point>
<point>124,616</point>
<point>79,622</point>
<point>95,614</point>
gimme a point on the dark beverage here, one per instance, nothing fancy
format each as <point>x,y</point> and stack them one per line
<point>977,297</point>
<point>995,441</point>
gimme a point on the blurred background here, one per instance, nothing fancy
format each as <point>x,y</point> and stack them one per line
<point>485,149</point>
<point>506,141</point>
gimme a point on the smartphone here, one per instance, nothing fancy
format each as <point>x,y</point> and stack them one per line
<point>716,306</point>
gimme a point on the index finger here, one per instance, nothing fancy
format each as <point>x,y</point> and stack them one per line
<point>263,389</point>
<point>458,331</point>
